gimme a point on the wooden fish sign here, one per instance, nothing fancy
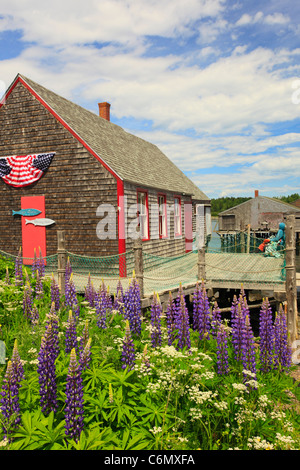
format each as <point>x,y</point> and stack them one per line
<point>27,212</point>
<point>40,222</point>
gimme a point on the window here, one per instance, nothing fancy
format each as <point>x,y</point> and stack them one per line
<point>177,216</point>
<point>162,216</point>
<point>142,200</point>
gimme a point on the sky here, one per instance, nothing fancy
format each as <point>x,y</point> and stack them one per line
<point>215,84</point>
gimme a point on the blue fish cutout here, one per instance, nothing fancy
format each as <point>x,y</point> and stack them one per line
<point>27,212</point>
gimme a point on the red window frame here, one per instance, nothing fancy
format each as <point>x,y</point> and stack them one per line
<point>179,233</point>
<point>162,216</point>
<point>145,192</point>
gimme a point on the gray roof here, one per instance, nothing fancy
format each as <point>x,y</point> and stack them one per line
<point>281,205</point>
<point>131,158</point>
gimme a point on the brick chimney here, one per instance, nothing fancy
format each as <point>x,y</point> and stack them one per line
<point>256,193</point>
<point>104,110</point>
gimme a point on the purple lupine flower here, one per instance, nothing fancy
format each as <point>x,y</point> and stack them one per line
<point>85,356</point>
<point>27,301</point>
<point>68,271</point>
<point>182,324</point>
<point>38,286</point>
<point>128,350</point>
<point>203,314</point>
<point>170,314</point>
<point>282,350</point>
<point>71,334</point>
<point>248,350</point>
<point>55,293</point>
<point>119,299</point>
<point>47,372</point>
<point>34,316</point>
<point>234,308</point>
<point>237,325</point>
<point>71,296</point>
<point>155,312</point>
<point>53,321</point>
<point>197,296</point>
<point>215,319</point>
<point>222,350</point>
<point>85,336</point>
<point>101,305</point>
<point>145,358</point>
<point>74,399</point>
<point>10,407</point>
<point>90,293</point>
<point>19,269</point>
<point>132,304</point>
<point>266,334</point>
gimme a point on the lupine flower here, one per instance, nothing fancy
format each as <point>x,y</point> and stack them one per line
<point>74,402</point>
<point>19,268</point>
<point>182,324</point>
<point>282,351</point>
<point>10,407</point>
<point>47,372</point>
<point>155,312</point>
<point>71,334</point>
<point>85,356</point>
<point>266,334</point>
<point>34,316</point>
<point>38,286</point>
<point>248,349</point>
<point>197,297</point>
<point>68,271</point>
<point>71,296</point>
<point>102,305</point>
<point>27,301</point>
<point>238,324</point>
<point>170,314</point>
<point>55,294</point>
<point>222,350</point>
<point>53,321</point>
<point>215,319</point>
<point>35,264</point>
<point>201,312</point>
<point>90,293</point>
<point>132,304</point>
<point>84,337</point>
<point>128,350</point>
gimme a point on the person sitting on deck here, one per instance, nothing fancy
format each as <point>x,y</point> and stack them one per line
<point>272,245</point>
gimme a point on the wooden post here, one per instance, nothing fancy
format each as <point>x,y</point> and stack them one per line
<point>138,263</point>
<point>61,261</point>
<point>290,283</point>
<point>201,264</point>
<point>248,239</point>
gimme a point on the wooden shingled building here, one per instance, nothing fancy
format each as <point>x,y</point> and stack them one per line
<point>72,166</point>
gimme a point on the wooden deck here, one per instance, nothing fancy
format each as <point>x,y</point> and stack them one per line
<point>223,270</point>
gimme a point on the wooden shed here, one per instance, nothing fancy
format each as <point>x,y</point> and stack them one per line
<point>86,176</point>
<point>262,213</point>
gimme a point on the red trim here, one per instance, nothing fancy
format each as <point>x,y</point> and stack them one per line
<point>165,211</point>
<point>179,234</point>
<point>140,190</point>
<point>188,225</point>
<point>121,228</point>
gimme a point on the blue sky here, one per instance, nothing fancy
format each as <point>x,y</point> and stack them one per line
<point>214,83</point>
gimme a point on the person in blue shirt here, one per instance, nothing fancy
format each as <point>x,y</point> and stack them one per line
<point>280,236</point>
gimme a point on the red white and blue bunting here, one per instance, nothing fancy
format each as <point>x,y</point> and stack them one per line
<point>22,170</point>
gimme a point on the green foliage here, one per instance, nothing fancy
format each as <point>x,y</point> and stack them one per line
<point>223,203</point>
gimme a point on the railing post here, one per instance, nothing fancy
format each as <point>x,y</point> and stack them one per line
<point>138,263</point>
<point>61,260</point>
<point>201,264</point>
<point>291,283</point>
